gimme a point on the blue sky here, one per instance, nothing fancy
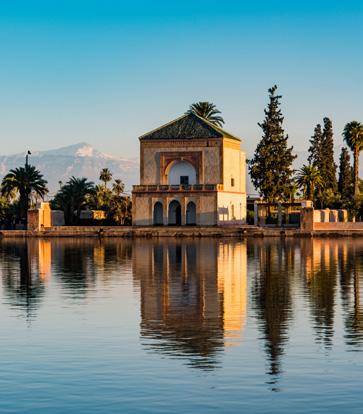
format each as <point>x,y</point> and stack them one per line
<point>105,72</point>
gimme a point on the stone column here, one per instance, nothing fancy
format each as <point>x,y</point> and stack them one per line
<point>317,216</point>
<point>255,210</point>
<point>307,219</point>
<point>279,215</point>
<point>183,206</point>
<point>325,215</point>
<point>262,214</point>
<point>165,210</point>
<point>333,217</point>
<point>343,216</point>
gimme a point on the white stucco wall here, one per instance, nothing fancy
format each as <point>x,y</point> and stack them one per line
<point>142,211</point>
<point>234,166</point>
<point>231,208</point>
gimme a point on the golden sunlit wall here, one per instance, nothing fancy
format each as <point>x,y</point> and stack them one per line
<point>232,287</point>
<point>45,258</point>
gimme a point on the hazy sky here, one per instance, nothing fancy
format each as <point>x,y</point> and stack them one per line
<point>106,72</point>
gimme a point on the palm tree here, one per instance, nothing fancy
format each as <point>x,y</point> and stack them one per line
<point>73,195</point>
<point>308,179</point>
<point>353,136</point>
<point>293,192</point>
<point>208,111</point>
<point>105,176</point>
<point>26,181</point>
<point>118,187</point>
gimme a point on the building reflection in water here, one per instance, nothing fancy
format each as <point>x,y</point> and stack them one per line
<point>75,264</point>
<point>193,294</point>
<point>193,297</point>
<point>26,267</point>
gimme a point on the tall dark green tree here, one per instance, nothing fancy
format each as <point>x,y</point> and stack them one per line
<point>271,166</point>
<point>345,182</point>
<point>328,167</point>
<point>321,156</point>
<point>315,149</point>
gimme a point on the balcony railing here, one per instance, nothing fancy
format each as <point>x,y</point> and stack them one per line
<point>176,188</point>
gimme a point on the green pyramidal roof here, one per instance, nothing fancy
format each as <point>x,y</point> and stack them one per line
<point>188,126</point>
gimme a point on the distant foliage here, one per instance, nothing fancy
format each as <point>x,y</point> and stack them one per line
<point>80,194</point>
<point>208,111</point>
<point>72,197</point>
<point>271,167</point>
<point>114,202</point>
<point>105,176</point>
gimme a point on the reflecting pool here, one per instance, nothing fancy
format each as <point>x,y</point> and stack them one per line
<point>178,325</point>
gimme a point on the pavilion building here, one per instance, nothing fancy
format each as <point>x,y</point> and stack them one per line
<point>191,173</point>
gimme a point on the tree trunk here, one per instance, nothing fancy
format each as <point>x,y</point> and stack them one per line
<point>23,206</point>
<point>79,208</point>
<point>356,162</point>
<point>311,192</point>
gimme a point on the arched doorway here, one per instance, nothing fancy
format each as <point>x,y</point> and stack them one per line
<point>191,217</point>
<point>158,214</point>
<point>174,216</point>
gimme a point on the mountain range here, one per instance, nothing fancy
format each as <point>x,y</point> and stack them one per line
<point>82,160</point>
<point>79,160</point>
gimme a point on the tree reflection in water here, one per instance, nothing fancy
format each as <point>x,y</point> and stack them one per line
<point>321,256</point>
<point>351,268</point>
<point>327,262</point>
<point>74,263</point>
<point>193,293</point>
<point>270,291</point>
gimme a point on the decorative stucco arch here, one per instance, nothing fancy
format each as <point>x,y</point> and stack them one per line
<point>191,214</point>
<point>174,213</point>
<point>158,214</point>
<point>168,159</point>
<point>180,170</point>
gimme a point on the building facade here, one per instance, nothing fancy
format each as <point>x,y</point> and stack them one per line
<point>191,173</point>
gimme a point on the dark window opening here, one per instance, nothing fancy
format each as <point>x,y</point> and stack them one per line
<point>184,180</point>
<point>232,182</point>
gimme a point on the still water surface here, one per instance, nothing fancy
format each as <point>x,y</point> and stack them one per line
<point>110,326</point>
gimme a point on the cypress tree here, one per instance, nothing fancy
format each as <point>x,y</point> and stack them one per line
<point>345,182</point>
<point>271,166</point>
<point>328,167</point>
<point>315,149</point>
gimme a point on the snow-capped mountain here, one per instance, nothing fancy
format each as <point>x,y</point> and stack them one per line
<point>79,160</point>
